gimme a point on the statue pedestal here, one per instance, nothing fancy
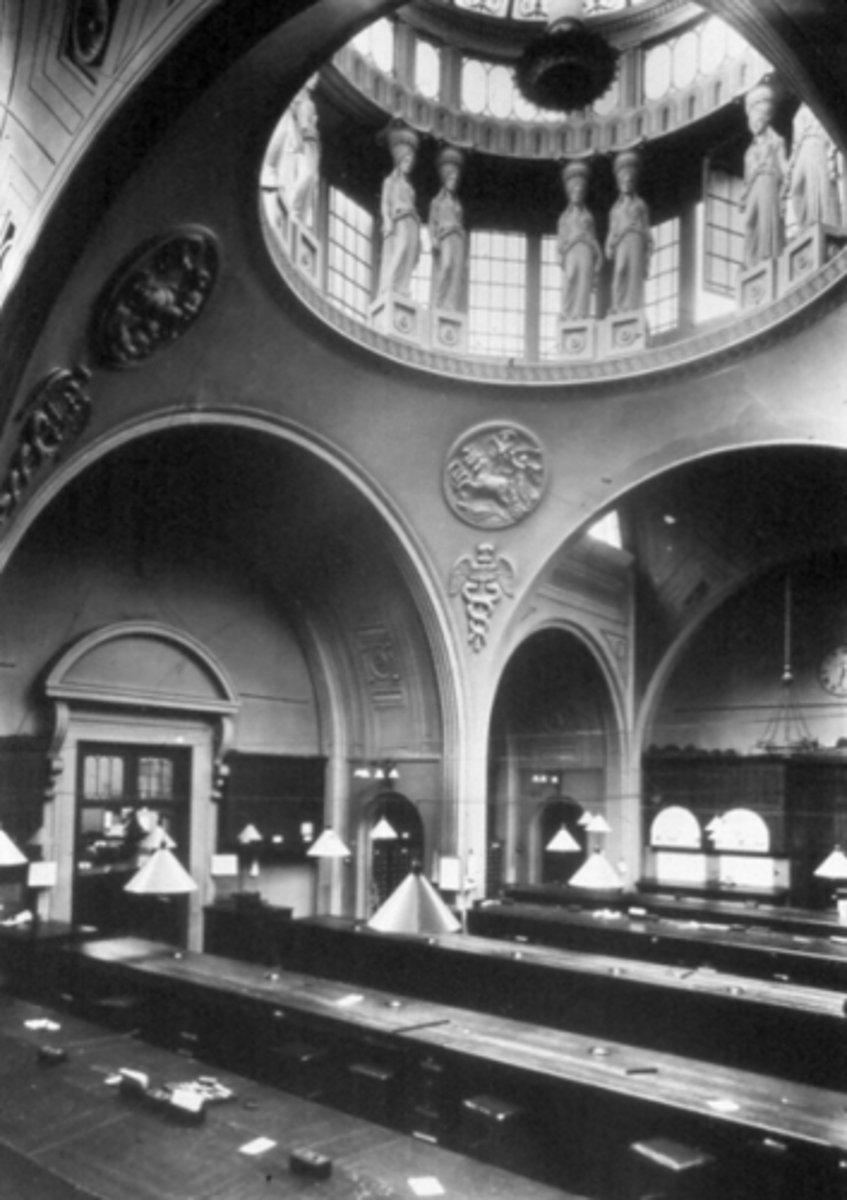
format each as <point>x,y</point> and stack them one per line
<point>757,285</point>
<point>398,316</point>
<point>577,340</point>
<point>622,333</point>
<point>305,250</point>
<point>449,331</point>
<point>277,213</point>
<point>807,252</point>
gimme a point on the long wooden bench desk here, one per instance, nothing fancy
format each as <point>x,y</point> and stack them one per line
<point>765,954</point>
<point>585,1100</point>
<point>736,913</point>
<point>793,1030</point>
<point>66,1134</point>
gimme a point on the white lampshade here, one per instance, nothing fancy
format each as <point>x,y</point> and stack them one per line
<point>834,866</point>
<point>249,834</point>
<point>383,831</point>
<point>597,873</point>
<point>414,907</point>
<point>161,875</point>
<point>328,845</point>
<point>597,824</point>
<point>10,855</point>
<point>562,842</point>
<point>584,820</point>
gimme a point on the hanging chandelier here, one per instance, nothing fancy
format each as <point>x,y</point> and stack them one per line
<point>787,731</point>
<point>569,66</point>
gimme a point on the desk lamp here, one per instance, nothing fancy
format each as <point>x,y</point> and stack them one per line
<point>10,858</point>
<point>383,831</point>
<point>597,874</point>
<point>834,868</point>
<point>414,907</point>
<point>162,875</point>
<point>562,842</point>
<point>248,837</point>
<point>10,855</point>
<point>328,845</point>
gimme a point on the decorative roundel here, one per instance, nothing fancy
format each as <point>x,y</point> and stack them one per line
<point>494,476</point>
<point>154,297</point>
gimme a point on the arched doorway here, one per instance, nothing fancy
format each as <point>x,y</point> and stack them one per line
<point>396,838</point>
<point>552,728</point>
<point>135,764</point>
<point>558,813</point>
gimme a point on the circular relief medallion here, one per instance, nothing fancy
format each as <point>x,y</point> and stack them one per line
<point>494,476</point>
<point>154,297</point>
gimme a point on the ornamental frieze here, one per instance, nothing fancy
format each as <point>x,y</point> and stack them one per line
<point>56,415</point>
<point>494,477</point>
<point>482,580</point>
<point>155,297</point>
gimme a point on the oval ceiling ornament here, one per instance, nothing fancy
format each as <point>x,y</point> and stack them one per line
<point>154,297</point>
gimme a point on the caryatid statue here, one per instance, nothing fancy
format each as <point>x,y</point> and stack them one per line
<point>294,155</point>
<point>447,234</point>
<point>576,239</point>
<point>629,242</point>
<point>401,223</point>
<point>765,167</point>
<point>811,177</point>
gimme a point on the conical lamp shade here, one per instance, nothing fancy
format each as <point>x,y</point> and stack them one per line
<point>10,855</point>
<point>328,845</point>
<point>597,873</point>
<point>597,824</point>
<point>249,834</point>
<point>414,907</point>
<point>584,820</point>
<point>383,831</point>
<point>834,866</point>
<point>563,842</point>
<point>161,875</point>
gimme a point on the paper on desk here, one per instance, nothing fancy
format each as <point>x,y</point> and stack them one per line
<point>258,1146</point>
<point>426,1185</point>
<point>42,1023</point>
<point>347,1001</point>
<point>723,1105</point>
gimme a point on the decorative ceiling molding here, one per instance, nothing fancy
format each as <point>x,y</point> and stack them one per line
<point>354,79</point>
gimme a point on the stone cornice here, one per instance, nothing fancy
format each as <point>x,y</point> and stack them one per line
<point>355,79</point>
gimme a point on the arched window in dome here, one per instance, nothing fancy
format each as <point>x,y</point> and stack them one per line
<point>713,44</point>
<point>661,291</point>
<point>427,69</point>
<point>349,278</point>
<point>376,43</point>
<point>497,294</point>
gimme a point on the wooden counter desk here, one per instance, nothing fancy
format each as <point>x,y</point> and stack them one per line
<point>815,960</point>
<point>664,902</point>
<point>562,1079</point>
<point>793,1030</point>
<point>65,1134</point>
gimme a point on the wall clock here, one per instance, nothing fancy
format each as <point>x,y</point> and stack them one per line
<point>832,672</point>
